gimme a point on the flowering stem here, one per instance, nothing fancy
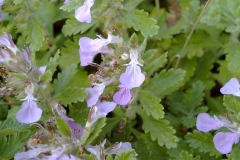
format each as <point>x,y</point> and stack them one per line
<point>190,34</point>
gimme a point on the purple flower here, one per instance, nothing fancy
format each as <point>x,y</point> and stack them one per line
<point>97,150</point>
<point>66,157</point>
<point>83,13</point>
<point>123,96</point>
<point>231,87</point>
<point>94,94</point>
<point>132,77</point>
<point>4,56</point>
<point>26,155</point>
<point>99,111</point>
<point>90,47</point>
<point>77,129</point>
<point>205,123</point>
<point>29,112</point>
<point>6,41</point>
<point>116,148</point>
<point>223,141</point>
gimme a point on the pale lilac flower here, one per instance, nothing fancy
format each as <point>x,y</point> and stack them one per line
<point>119,148</point>
<point>116,149</point>
<point>4,56</point>
<point>83,13</point>
<point>1,2</point>
<point>123,96</point>
<point>97,150</point>
<point>66,157</point>
<point>29,112</point>
<point>99,111</point>
<point>76,129</point>
<point>6,41</point>
<point>26,155</point>
<point>94,93</point>
<point>223,142</point>
<point>42,69</point>
<point>90,47</point>
<point>132,77</point>
<point>205,123</point>
<point>232,87</point>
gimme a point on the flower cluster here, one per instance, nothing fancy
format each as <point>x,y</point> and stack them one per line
<point>20,62</point>
<point>223,141</point>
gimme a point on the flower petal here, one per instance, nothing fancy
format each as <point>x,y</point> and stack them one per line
<point>83,13</point>
<point>105,107</point>
<point>123,96</point>
<point>6,41</point>
<point>94,93</point>
<point>77,129</point>
<point>205,123</point>
<point>132,77</point>
<point>223,141</point>
<point>26,155</point>
<point>29,112</point>
<point>231,87</point>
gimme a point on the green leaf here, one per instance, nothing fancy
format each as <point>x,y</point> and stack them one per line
<point>159,130</point>
<point>130,5</point>
<point>202,141</point>
<point>73,27</point>
<point>151,105</point>
<point>130,155</point>
<point>194,96</point>
<point>155,64</point>
<point>70,95</point>
<point>12,144</point>
<point>232,104</point>
<point>34,33</point>
<point>69,52</point>
<point>64,78</point>
<point>72,5</point>
<point>139,20</point>
<point>186,156</point>
<point>148,149</point>
<point>46,77</point>
<point>63,127</point>
<point>11,126</point>
<point>53,62</point>
<point>16,2</point>
<point>166,82</point>
<point>89,136</point>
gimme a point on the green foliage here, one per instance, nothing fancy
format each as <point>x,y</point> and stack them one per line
<point>130,155</point>
<point>155,63</point>
<point>166,82</point>
<point>91,133</point>
<point>12,144</point>
<point>64,90</point>
<point>232,104</point>
<point>202,141</point>
<point>63,127</point>
<point>155,127</point>
<point>72,27</point>
<point>148,149</point>
<point>186,156</point>
<point>139,20</point>
<point>151,105</point>
<point>11,126</point>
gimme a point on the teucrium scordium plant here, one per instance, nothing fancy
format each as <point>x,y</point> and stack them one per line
<point>110,79</point>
